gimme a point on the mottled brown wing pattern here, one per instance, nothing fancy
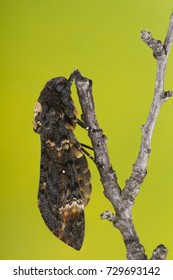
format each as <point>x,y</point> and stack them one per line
<point>65,186</point>
<point>83,175</point>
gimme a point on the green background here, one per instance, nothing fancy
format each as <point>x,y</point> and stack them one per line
<point>44,39</point>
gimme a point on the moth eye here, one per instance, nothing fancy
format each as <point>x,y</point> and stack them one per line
<point>60,87</point>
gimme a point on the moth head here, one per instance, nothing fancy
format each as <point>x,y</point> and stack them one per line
<point>57,96</point>
<point>58,85</point>
<point>55,104</point>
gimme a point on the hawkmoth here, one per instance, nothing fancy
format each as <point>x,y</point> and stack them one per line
<point>65,180</point>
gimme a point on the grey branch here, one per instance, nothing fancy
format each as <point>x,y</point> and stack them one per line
<point>160,253</point>
<point>123,201</point>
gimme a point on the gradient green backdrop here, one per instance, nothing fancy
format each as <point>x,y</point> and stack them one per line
<point>44,39</point>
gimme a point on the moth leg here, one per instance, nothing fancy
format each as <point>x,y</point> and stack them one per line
<point>86,153</point>
<point>79,147</point>
<point>86,146</point>
<point>83,125</point>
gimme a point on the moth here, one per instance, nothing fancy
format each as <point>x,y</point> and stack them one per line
<point>65,180</point>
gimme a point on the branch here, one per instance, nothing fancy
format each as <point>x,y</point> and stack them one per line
<point>161,53</point>
<point>98,139</point>
<point>160,253</point>
<point>122,219</point>
<point>123,201</point>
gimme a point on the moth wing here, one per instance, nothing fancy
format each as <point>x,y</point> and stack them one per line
<point>83,174</point>
<point>59,197</point>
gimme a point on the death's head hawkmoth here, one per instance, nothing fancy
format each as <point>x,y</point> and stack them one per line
<point>65,187</point>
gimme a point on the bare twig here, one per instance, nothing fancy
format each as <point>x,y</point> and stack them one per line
<point>160,253</point>
<point>123,201</point>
